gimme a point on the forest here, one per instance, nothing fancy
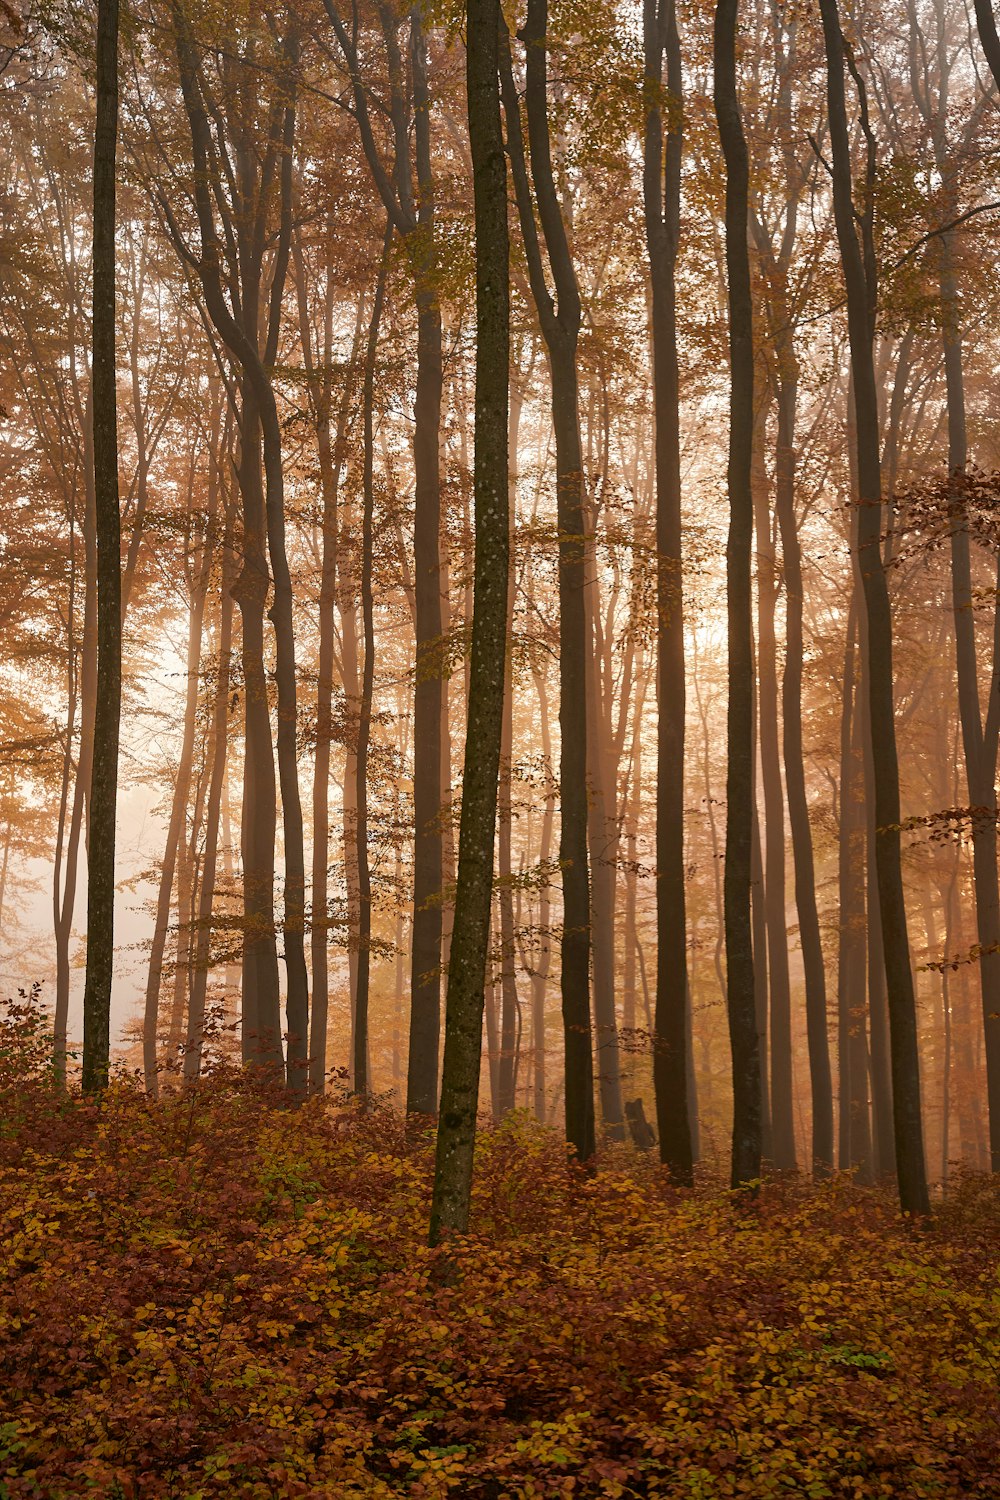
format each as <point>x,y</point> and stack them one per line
<point>499,728</point>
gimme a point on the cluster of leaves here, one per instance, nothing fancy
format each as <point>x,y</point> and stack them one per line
<point>216,1295</point>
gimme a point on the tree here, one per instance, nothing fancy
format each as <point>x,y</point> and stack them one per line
<point>560,323</point>
<point>407,193</point>
<point>740,774</point>
<point>662,189</point>
<point>232,282</point>
<point>859,268</point>
<point>107,717</point>
<point>471,929</point>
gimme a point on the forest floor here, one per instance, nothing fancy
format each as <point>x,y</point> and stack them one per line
<point>215,1295</point>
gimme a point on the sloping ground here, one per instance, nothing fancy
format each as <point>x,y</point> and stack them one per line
<point>217,1296</point>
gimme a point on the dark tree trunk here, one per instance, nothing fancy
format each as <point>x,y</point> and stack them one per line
<point>987,28</point>
<point>261,1028</point>
<point>661,198</point>
<point>602,843</point>
<point>859,280</point>
<point>107,718</point>
<point>428,706</point>
<point>425,969</point>
<point>795,780</point>
<point>560,323</point>
<point>410,119</point>
<point>239,327</point>
<point>979,741</point>
<point>68,842</point>
<point>746,1151</point>
<point>471,928</point>
<point>362,1082</point>
<point>510,1009</point>
<point>855,1146</point>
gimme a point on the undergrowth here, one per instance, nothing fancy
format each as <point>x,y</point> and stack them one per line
<point>217,1295</point>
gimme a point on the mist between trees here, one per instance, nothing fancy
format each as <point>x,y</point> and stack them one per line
<point>532,481</point>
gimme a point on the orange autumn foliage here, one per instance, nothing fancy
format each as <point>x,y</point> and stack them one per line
<point>217,1295</point>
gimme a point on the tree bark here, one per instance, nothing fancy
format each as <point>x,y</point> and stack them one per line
<point>471,928</point>
<point>181,793</point>
<point>774,898</point>
<point>217,775</point>
<point>855,1144</point>
<point>107,718</point>
<point>746,1148</point>
<point>795,780</point>
<point>560,324</point>
<point>361,1081</point>
<point>859,280</point>
<point>661,200</point>
<point>425,1003</point>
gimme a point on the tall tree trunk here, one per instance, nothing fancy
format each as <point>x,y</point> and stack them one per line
<point>425,1001</point>
<point>330,445</point>
<point>362,1082</point>
<point>217,775</point>
<point>661,199</point>
<point>746,1150</point>
<point>280,614</point>
<point>602,841</point>
<point>543,961</point>
<point>859,280</point>
<point>979,742</point>
<point>795,780</point>
<point>758,927</point>
<point>774,900</point>
<point>509,1003</point>
<point>107,719</point>
<point>560,323</point>
<point>510,1007</point>
<point>67,852</point>
<point>261,1015</point>
<point>263,498</point>
<point>470,932</point>
<point>855,1132</point>
<point>181,795</point>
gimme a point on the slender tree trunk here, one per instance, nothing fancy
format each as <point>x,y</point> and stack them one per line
<point>602,841</point>
<point>859,279</point>
<point>758,926</point>
<point>261,1015</point>
<point>543,962</point>
<point>855,1132</point>
<point>67,850</point>
<point>362,1082</point>
<point>178,805</point>
<point>217,777</point>
<point>331,458</point>
<point>107,721</point>
<point>425,1001</point>
<point>774,900</point>
<point>978,746</point>
<point>510,1008</point>
<point>470,932</point>
<point>509,1002</point>
<point>280,614</point>
<point>560,329</point>
<point>661,197</point>
<point>795,781</point>
<point>746,1149</point>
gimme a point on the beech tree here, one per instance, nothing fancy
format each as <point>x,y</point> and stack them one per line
<point>107,715</point>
